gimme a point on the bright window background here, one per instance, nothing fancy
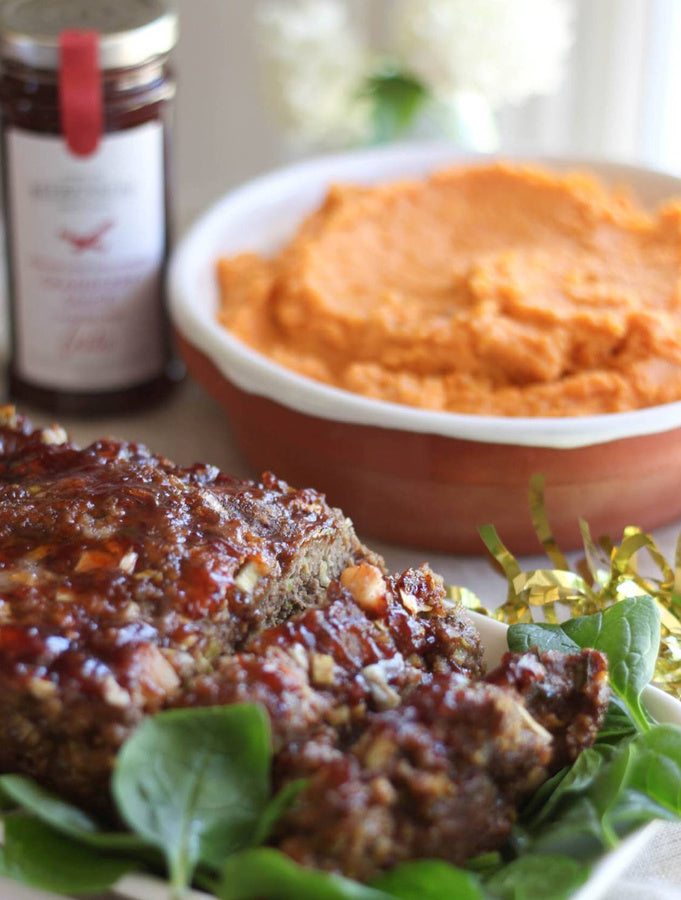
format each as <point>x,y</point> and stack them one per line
<point>621,98</point>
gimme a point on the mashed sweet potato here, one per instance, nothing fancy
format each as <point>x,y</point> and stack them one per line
<point>491,290</point>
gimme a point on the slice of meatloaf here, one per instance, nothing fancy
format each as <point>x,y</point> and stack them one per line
<point>442,775</point>
<point>122,577</point>
<point>566,694</point>
<point>377,700</point>
<point>374,641</point>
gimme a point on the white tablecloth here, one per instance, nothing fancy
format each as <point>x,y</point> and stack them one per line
<point>656,873</point>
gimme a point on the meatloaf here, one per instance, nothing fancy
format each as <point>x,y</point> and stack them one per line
<point>129,585</point>
<point>122,577</point>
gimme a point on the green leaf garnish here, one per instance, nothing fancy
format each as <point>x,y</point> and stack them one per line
<point>548,877</point>
<point>628,633</point>
<point>63,817</point>
<point>37,855</point>
<point>275,809</point>
<point>657,772</point>
<point>430,880</point>
<point>270,875</point>
<point>195,784</point>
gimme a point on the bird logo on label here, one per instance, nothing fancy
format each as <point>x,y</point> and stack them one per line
<point>81,243</point>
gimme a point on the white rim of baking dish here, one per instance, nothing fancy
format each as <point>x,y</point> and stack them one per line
<point>193,294</point>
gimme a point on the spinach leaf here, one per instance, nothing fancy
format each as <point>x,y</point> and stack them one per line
<point>657,770</point>
<point>6,803</point>
<point>486,864</point>
<point>429,880</point>
<point>275,809</point>
<point>634,810</point>
<point>35,854</point>
<point>628,633</point>
<point>594,805</point>
<point>618,725</point>
<point>267,874</point>
<point>27,795</point>
<point>522,638</point>
<point>579,821</point>
<point>548,877</point>
<point>568,782</point>
<point>196,783</point>
<point>606,790</point>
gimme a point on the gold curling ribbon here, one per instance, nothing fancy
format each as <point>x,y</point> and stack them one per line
<point>607,573</point>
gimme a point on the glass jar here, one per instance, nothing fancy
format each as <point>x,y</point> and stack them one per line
<point>86,100</point>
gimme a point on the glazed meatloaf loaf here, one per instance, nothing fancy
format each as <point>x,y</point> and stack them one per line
<point>123,577</point>
<point>129,585</point>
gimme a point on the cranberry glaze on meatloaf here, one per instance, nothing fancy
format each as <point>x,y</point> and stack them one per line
<point>129,585</point>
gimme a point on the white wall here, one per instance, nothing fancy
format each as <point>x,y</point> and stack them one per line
<point>223,134</point>
<point>621,98</point>
<point>623,89</point>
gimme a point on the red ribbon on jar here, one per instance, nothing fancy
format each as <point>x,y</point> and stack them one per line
<point>80,91</point>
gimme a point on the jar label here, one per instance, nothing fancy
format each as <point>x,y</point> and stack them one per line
<point>88,244</point>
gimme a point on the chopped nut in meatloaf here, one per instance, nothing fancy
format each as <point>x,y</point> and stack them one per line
<point>129,585</point>
<point>122,577</point>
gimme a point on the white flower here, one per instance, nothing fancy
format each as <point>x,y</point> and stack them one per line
<point>504,50</point>
<point>315,67</point>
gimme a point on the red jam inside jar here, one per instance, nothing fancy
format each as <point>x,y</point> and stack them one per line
<point>86,93</point>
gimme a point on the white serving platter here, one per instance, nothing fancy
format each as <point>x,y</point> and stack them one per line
<point>662,707</point>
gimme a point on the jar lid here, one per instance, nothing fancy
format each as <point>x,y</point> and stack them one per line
<point>132,31</point>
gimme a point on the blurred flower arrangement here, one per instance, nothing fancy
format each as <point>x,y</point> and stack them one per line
<point>447,68</point>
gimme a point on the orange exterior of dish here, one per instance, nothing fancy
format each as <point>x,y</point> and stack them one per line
<point>434,492</point>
